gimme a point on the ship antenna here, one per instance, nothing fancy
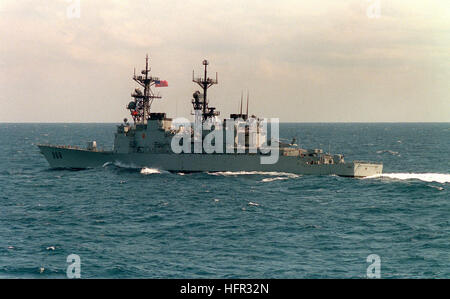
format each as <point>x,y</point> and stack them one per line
<point>146,91</point>
<point>205,83</point>
<point>147,98</point>
<point>205,63</point>
<point>247,101</point>
<point>146,66</point>
<point>242,94</point>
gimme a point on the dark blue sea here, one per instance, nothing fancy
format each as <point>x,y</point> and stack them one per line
<point>144,223</point>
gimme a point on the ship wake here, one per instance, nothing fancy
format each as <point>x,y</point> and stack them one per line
<point>426,177</point>
<point>148,171</point>
<point>132,167</point>
<point>273,175</point>
<point>280,178</point>
<point>121,165</point>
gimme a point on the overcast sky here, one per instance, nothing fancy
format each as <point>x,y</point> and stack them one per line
<point>304,61</point>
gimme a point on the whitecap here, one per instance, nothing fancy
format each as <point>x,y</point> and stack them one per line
<point>394,153</point>
<point>278,178</point>
<point>143,170</point>
<point>147,171</point>
<point>285,176</point>
<point>437,187</point>
<point>277,175</point>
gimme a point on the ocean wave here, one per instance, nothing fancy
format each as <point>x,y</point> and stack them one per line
<point>437,187</point>
<point>280,178</point>
<point>275,176</point>
<point>389,152</point>
<point>142,170</point>
<point>121,165</point>
<point>426,177</point>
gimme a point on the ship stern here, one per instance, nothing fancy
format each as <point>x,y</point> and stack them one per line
<point>366,169</point>
<point>359,169</point>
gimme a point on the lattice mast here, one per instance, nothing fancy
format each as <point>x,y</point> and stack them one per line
<point>143,101</point>
<point>204,83</point>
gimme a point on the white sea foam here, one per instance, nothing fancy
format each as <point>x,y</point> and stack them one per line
<point>277,175</point>
<point>426,177</point>
<point>279,178</point>
<point>437,187</point>
<point>147,171</point>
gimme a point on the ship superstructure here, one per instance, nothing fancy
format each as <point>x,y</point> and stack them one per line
<point>239,143</point>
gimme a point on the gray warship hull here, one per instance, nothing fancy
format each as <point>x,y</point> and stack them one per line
<point>77,158</point>
<point>240,142</point>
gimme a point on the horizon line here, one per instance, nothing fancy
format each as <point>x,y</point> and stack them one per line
<point>288,122</point>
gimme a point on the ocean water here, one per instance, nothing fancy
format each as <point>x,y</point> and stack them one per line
<point>147,223</point>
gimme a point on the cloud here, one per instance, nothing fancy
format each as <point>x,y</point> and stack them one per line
<point>302,61</point>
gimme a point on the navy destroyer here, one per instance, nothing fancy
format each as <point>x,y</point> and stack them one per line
<point>238,143</point>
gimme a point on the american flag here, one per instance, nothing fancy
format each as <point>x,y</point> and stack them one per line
<point>162,83</point>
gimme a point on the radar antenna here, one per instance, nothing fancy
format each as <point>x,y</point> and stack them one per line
<point>140,107</point>
<point>204,83</point>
